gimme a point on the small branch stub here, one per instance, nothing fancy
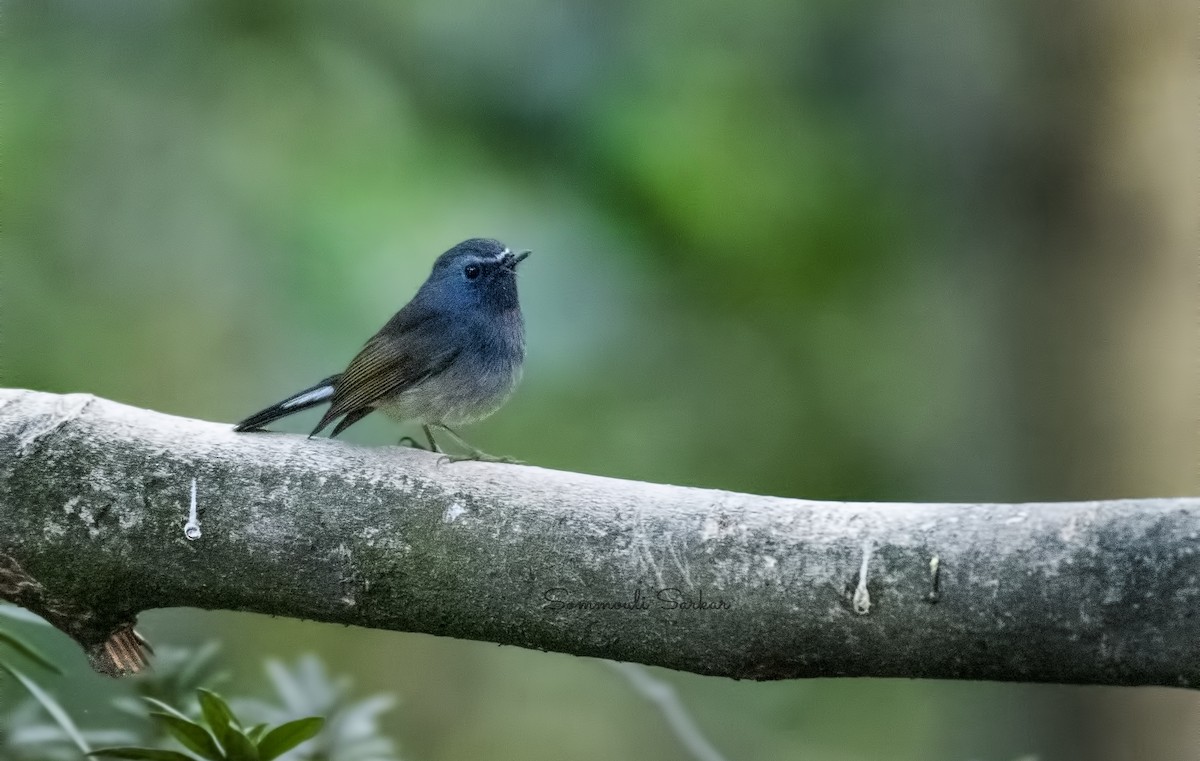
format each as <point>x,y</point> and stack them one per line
<point>935,568</point>
<point>125,652</point>
<point>191,529</point>
<point>862,597</point>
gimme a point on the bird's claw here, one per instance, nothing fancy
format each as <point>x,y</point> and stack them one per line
<point>479,457</point>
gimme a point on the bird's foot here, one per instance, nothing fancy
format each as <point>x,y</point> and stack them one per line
<point>478,456</point>
<point>473,454</point>
<point>409,441</point>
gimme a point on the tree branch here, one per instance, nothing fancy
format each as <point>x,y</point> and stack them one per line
<point>94,496</point>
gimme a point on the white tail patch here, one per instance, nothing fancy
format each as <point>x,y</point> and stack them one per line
<point>316,395</point>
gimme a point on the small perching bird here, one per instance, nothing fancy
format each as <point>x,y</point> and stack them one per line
<point>453,355</point>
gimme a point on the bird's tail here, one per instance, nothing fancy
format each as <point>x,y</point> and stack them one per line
<point>309,397</point>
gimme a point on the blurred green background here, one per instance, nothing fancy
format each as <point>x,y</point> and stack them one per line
<point>850,250</point>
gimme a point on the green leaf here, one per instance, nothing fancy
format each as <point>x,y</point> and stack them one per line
<point>216,713</point>
<point>27,650</point>
<point>193,736</point>
<point>255,732</point>
<point>239,748</point>
<point>52,707</point>
<point>167,708</point>
<point>141,754</point>
<point>283,738</point>
<point>198,662</point>
<point>18,613</point>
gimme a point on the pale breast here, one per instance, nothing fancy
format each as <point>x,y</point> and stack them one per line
<point>482,377</point>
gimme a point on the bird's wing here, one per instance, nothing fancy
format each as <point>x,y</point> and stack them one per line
<point>410,349</point>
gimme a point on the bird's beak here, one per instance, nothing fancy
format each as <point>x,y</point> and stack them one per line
<point>517,259</point>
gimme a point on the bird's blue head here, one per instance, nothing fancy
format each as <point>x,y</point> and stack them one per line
<point>479,272</point>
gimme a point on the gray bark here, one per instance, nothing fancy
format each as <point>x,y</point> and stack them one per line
<point>94,498</point>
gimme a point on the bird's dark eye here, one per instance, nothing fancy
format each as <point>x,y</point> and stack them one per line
<point>472,271</point>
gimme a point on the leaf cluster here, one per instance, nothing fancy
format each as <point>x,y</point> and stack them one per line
<point>218,735</point>
<point>180,718</point>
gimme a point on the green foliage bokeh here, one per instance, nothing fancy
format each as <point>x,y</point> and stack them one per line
<point>775,251</point>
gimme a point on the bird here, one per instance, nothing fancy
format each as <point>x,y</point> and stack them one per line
<point>452,356</point>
